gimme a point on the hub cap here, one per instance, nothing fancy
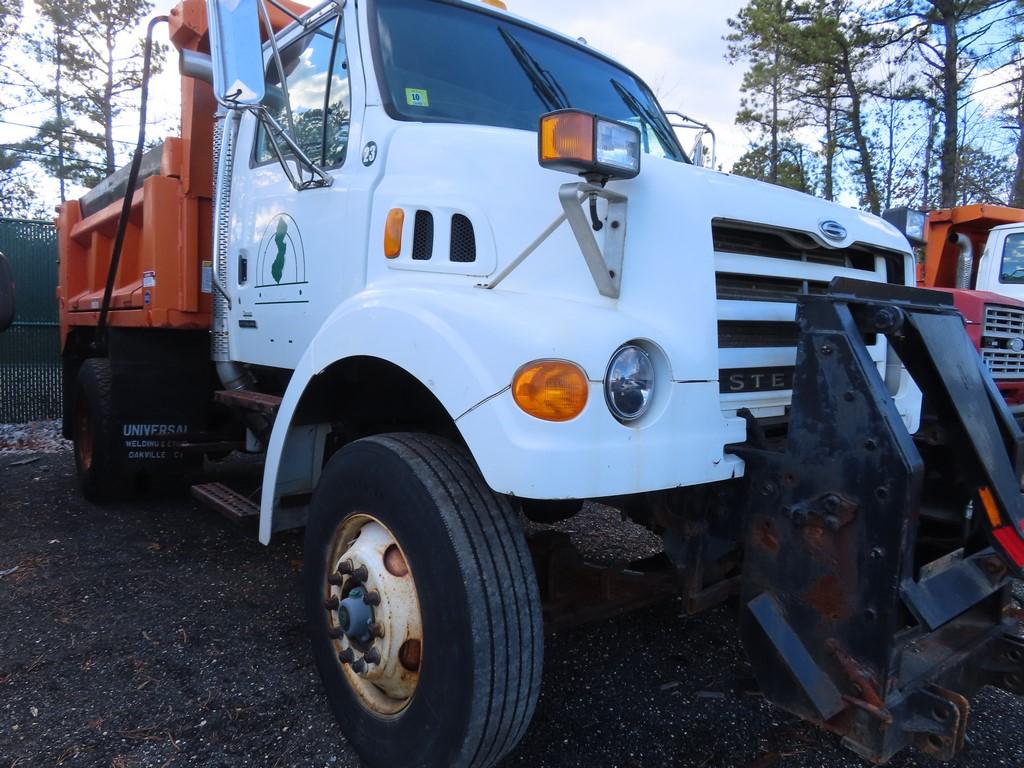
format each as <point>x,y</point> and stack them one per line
<point>374,614</point>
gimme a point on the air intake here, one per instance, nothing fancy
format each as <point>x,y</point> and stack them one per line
<point>463,240</point>
<point>423,236</point>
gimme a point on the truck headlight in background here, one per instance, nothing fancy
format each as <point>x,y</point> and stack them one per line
<point>629,383</point>
<point>908,221</point>
<point>588,145</point>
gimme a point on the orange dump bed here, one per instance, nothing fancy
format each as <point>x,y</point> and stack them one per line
<point>941,256</point>
<point>164,275</point>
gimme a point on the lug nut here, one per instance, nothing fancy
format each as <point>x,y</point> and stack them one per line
<point>335,579</point>
<point>358,665</point>
<point>345,568</point>
<point>372,597</point>
<point>334,633</point>
<point>331,603</point>
<point>372,656</point>
<point>376,629</point>
<point>361,574</point>
<point>347,656</point>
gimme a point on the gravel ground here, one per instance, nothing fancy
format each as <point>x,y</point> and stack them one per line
<point>159,634</point>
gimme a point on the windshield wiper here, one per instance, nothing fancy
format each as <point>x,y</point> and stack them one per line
<point>649,116</point>
<point>545,85</point>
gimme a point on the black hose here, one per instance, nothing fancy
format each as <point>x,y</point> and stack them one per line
<point>99,342</point>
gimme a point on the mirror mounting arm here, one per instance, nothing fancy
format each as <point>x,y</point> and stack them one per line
<point>274,132</point>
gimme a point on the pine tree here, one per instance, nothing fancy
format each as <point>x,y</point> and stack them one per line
<point>762,35</point>
<point>89,78</point>
<point>947,38</point>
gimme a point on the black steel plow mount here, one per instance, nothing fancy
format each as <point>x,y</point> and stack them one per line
<point>877,568</point>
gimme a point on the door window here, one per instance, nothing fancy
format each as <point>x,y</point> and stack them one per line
<point>316,75</point>
<point>1013,259</point>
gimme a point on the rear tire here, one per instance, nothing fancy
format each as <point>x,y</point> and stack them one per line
<point>95,432</point>
<point>468,697</point>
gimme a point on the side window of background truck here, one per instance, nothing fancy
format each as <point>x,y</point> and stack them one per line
<point>1013,259</point>
<point>316,73</point>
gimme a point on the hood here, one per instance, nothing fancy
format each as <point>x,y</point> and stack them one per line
<point>741,199</point>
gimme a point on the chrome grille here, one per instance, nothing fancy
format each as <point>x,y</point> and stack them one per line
<point>1004,326</point>
<point>761,272</point>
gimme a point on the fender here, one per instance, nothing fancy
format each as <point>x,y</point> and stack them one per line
<point>461,342</point>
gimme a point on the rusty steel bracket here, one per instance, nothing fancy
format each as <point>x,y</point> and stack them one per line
<point>859,611</point>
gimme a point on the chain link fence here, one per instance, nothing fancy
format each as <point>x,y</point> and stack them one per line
<point>30,370</point>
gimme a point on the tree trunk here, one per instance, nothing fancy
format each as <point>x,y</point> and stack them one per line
<point>890,158</point>
<point>861,139</point>
<point>59,104</point>
<point>830,144</point>
<point>108,107</point>
<point>926,172</point>
<point>950,105</point>
<point>773,159</point>
<point>1017,190</point>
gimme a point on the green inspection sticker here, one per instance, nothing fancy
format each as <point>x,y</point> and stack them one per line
<point>416,97</point>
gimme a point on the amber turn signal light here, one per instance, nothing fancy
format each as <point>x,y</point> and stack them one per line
<point>582,143</point>
<point>393,233</point>
<point>552,390</point>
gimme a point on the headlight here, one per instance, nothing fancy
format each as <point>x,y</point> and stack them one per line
<point>629,383</point>
<point>588,145</point>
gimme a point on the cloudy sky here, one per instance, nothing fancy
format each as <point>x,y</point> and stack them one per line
<point>675,45</point>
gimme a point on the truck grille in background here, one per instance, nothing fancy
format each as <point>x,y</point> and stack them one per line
<point>1004,326</point>
<point>761,272</point>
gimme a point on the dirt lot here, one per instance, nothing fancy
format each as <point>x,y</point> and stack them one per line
<point>158,634</point>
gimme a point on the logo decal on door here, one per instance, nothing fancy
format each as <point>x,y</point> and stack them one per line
<point>281,265</point>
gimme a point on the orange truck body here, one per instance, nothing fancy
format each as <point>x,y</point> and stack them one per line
<point>975,221</point>
<point>168,243</point>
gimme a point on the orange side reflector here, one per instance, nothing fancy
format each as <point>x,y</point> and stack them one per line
<point>567,136</point>
<point>988,501</point>
<point>552,390</point>
<point>393,233</point>
<point>496,4</point>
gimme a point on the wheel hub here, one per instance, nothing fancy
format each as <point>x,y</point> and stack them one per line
<point>355,618</point>
<point>374,614</point>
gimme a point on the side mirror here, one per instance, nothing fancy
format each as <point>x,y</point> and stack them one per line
<point>237,52</point>
<point>6,294</point>
<point>910,222</point>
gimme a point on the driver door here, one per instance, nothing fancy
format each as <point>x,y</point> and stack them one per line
<point>285,240</point>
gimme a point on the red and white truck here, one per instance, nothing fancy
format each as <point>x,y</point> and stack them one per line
<point>976,253</point>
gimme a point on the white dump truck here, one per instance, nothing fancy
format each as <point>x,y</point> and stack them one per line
<point>449,270</point>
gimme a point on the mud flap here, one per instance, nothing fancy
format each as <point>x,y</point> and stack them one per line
<point>162,387</point>
<point>848,620</point>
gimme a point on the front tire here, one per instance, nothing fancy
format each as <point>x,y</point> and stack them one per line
<point>418,577</point>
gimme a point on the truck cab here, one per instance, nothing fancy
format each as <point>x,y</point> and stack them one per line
<point>447,270</point>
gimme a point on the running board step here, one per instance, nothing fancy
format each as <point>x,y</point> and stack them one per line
<point>228,502</point>
<point>243,399</point>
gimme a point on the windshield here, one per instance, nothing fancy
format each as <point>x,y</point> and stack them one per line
<point>1013,259</point>
<point>443,62</point>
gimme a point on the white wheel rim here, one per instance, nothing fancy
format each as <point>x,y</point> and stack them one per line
<point>387,686</point>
